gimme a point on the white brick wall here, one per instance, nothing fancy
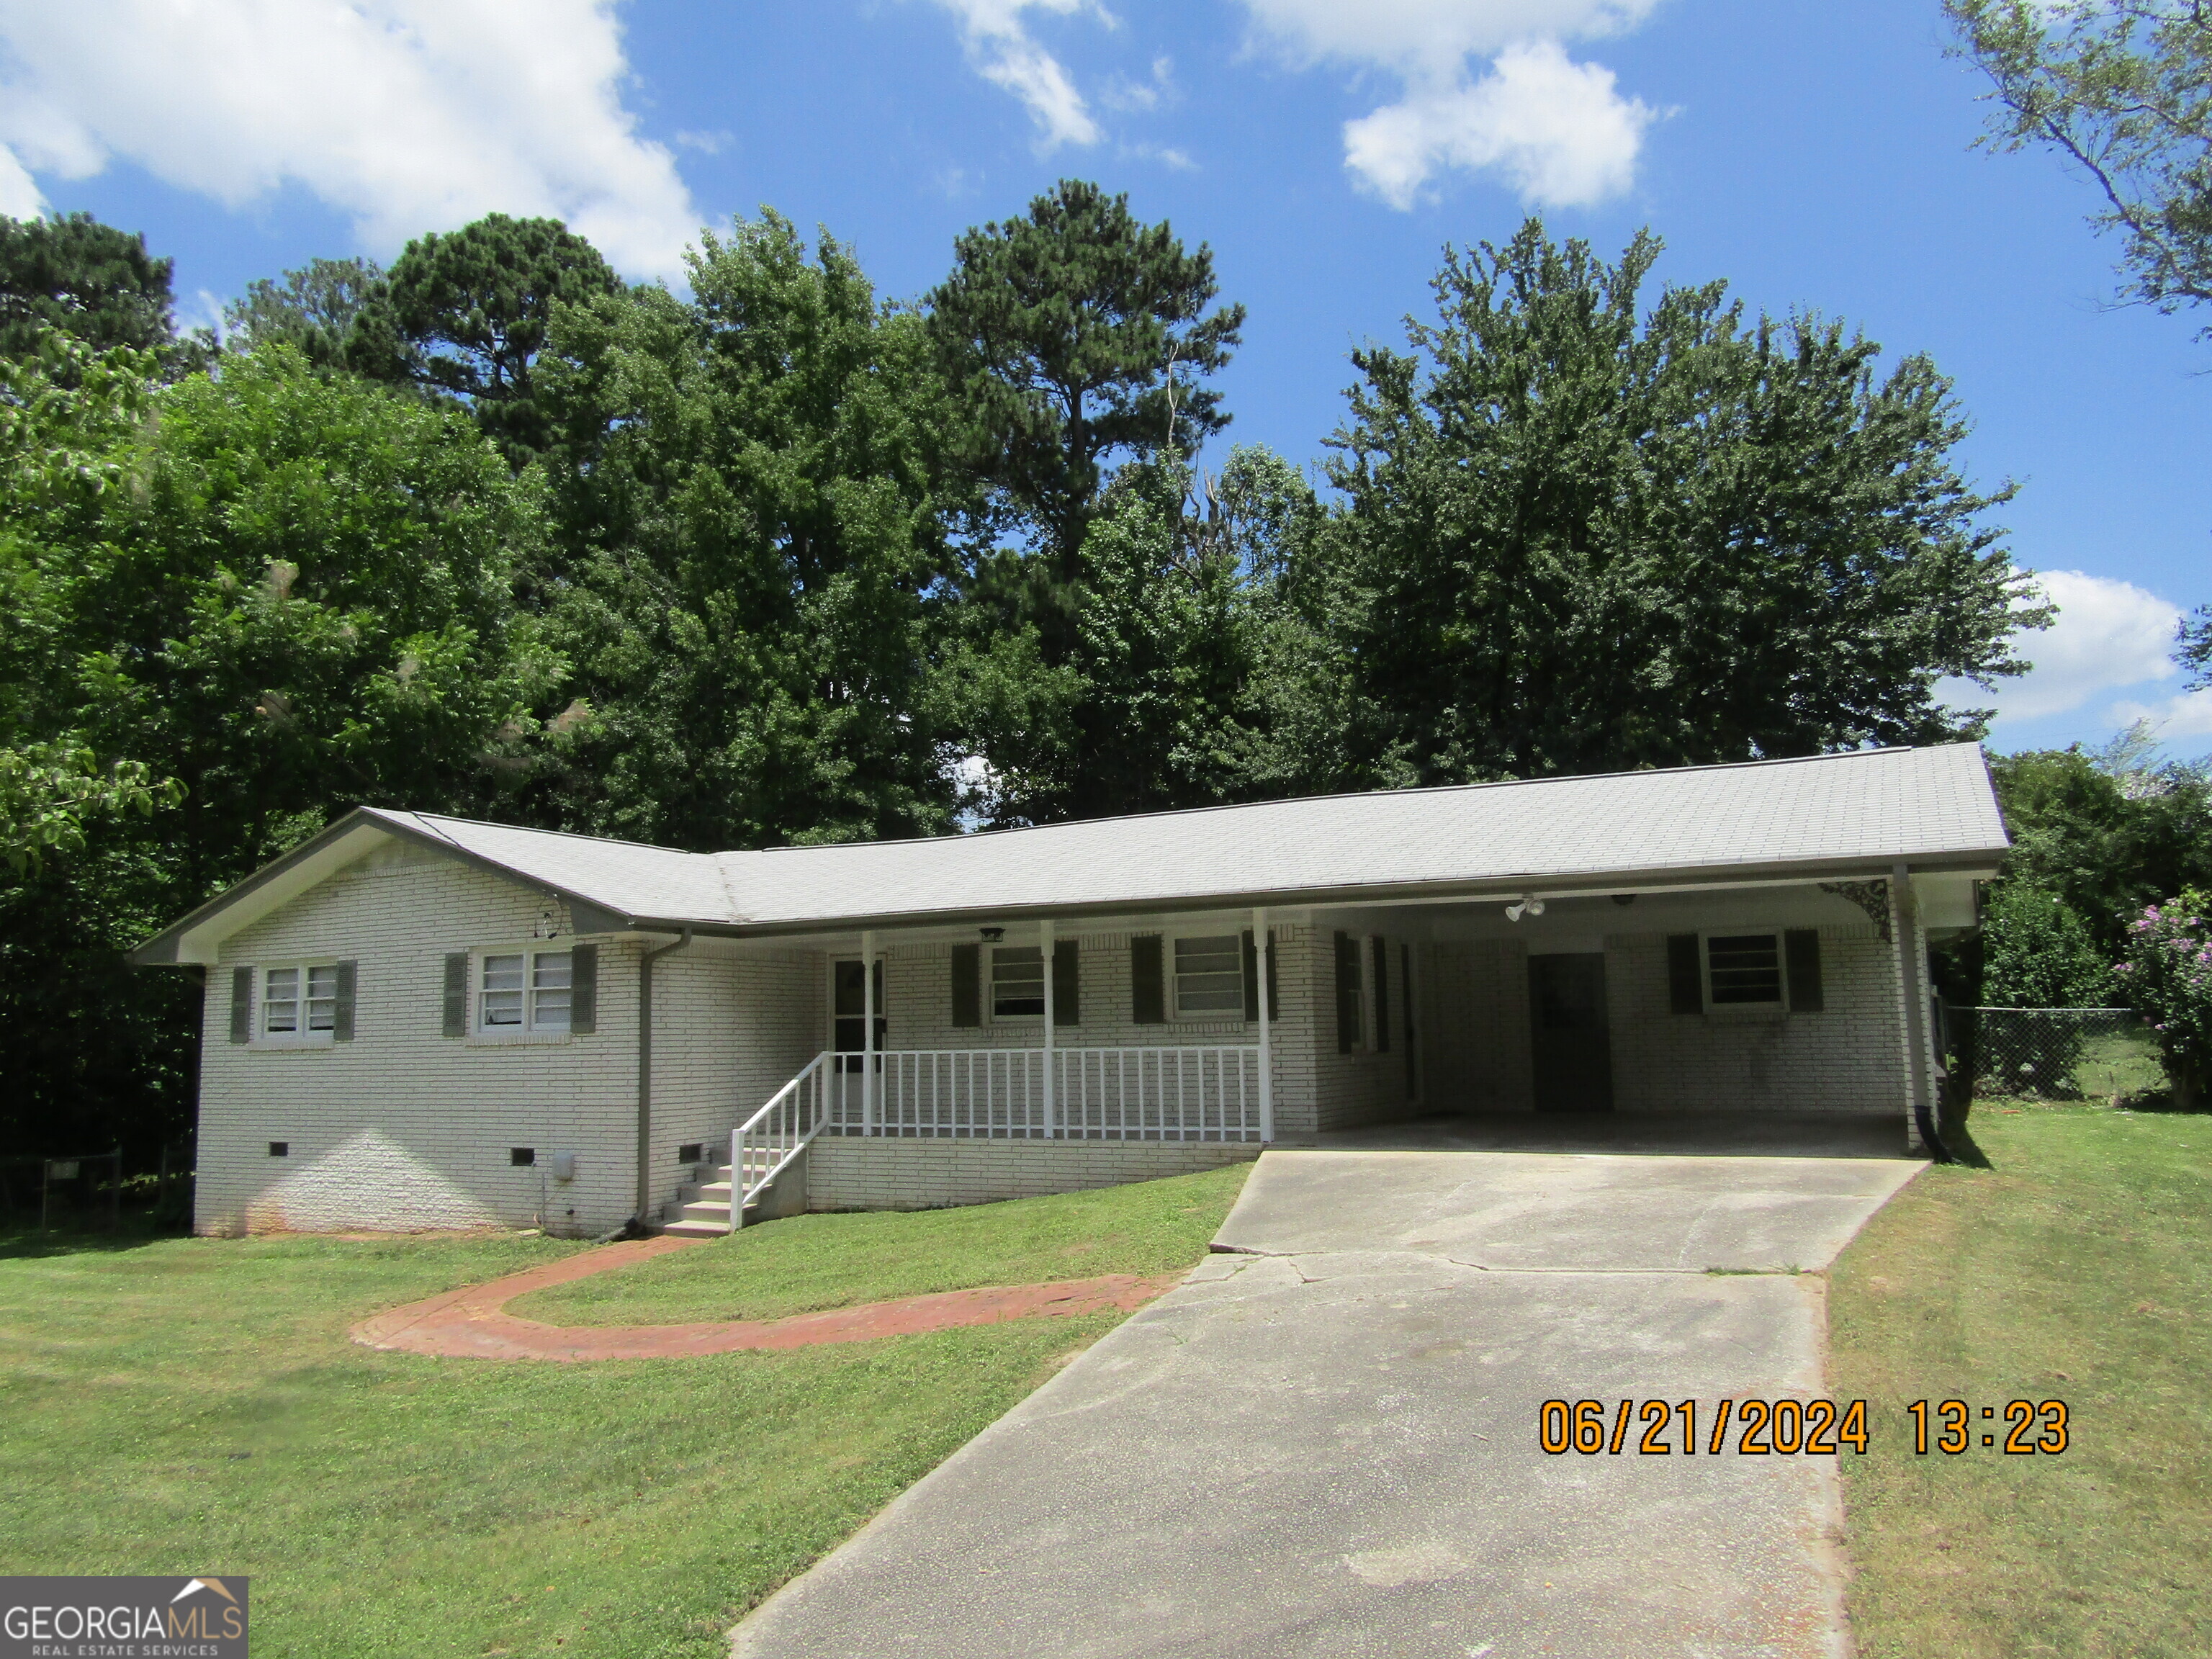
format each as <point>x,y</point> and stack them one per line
<point>404,1127</point>
<point>1845,1058</point>
<point>857,1173</point>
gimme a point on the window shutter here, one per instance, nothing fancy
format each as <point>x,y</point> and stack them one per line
<point>1066,984</point>
<point>1347,993</point>
<point>1148,1003</point>
<point>584,990</point>
<point>967,985</point>
<point>1252,981</point>
<point>242,1004</point>
<point>342,1016</point>
<point>1802,946</point>
<point>1382,996</point>
<point>1686,989</point>
<point>457,993</point>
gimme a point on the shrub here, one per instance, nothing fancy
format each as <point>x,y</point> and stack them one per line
<point>2167,979</point>
<point>2037,952</point>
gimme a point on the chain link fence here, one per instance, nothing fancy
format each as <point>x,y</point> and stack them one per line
<point>2057,1054</point>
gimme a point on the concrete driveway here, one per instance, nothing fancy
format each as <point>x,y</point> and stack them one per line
<point>1325,1442</point>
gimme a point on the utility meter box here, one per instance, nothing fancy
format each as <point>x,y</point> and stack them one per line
<point>564,1166</point>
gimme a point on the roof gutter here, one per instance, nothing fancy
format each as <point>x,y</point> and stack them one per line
<point>645,1070</point>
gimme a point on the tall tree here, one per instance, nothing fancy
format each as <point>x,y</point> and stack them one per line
<point>276,594</point>
<point>753,549</point>
<point>313,309</point>
<point>1074,334</point>
<point>2123,90</point>
<point>85,279</point>
<point>466,314</point>
<point>1576,538</point>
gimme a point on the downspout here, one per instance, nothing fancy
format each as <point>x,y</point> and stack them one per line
<point>645,1071</point>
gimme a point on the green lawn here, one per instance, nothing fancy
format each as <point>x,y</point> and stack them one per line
<point>2076,1266</point>
<point>193,1406</point>
<point>811,1261</point>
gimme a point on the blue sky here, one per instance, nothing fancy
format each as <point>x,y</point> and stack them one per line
<point>1815,155</point>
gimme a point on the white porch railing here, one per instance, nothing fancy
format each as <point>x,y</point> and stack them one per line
<point>765,1143</point>
<point>1192,1093</point>
<point>1210,1093</point>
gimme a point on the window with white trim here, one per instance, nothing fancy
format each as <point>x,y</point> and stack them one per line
<point>1016,981</point>
<point>299,1003</point>
<point>1209,976</point>
<point>1743,970</point>
<point>523,992</point>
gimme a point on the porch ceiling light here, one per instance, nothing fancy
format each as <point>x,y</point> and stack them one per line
<point>992,935</point>
<point>1519,907</point>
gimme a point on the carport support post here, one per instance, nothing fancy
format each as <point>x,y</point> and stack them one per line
<point>1044,954</point>
<point>867,1034</point>
<point>1264,960</point>
<point>645,1071</point>
<point>1912,969</point>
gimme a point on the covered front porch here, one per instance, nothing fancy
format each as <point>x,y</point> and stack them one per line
<point>1213,1033</point>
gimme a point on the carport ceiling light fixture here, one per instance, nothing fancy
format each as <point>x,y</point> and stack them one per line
<point>1527,907</point>
<point>992,935</point>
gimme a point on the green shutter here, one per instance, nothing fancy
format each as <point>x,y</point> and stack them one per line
<point>242,1004</point>
<point>1686,988</point>
<point>457,993</point>
<point>1802,948</point>
<point>1066,984</point>
<point>1382,996</point>
<point>1147,990</point>
<point>584,990</point>
<point>1347,993</point>
<point>1252,981</point>
<point>967,985</point>
<point>342,1016</point>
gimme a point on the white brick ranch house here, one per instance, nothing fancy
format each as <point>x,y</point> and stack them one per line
<point>414,1021</point>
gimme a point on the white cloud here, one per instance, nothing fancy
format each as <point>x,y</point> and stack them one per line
<point>1559,131</point>
<point>409,115</point>
<point>999,44</point>
<point>20,197</point>
<point>2185,714</point>
<point>2108,635</point>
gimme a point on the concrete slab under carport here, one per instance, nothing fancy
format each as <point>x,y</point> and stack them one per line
<point>1317,1446</point>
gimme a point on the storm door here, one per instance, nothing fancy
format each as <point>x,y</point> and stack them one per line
<point>1571,1039</point>
<point>851,1035</point>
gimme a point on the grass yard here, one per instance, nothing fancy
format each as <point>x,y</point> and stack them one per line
<point>2077,1265</point>
<point>193,1406</point>
<point>811,1261</point>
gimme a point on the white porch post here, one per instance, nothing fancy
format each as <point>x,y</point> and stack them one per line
<point>867,1034</point>
<point>1044,950</point>
<point>1911,968</point>
<point>1263,959</point>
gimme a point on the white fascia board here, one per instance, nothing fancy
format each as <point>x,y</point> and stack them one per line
<point>200,941</point>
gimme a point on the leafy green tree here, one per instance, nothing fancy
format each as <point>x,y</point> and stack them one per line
<point>2123,90</point>
<point>466,314</point>
<point>1074,334</point>
<point>2105,845</point>
<point>1576,538</point>
<point>269,596</point>
<point>93,282</point>
<point>2037,952</point>
<point>313,309</point>
<point>753,551</point>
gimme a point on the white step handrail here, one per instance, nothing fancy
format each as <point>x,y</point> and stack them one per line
<point>766,1142</point>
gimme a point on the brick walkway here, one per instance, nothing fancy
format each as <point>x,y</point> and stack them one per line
<point>471,1324</point>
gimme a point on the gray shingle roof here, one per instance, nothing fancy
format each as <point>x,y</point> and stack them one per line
<point>1832,814</point>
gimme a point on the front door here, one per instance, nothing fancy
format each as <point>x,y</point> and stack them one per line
<point>1569,1038</point>
<point>850,1036</point>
